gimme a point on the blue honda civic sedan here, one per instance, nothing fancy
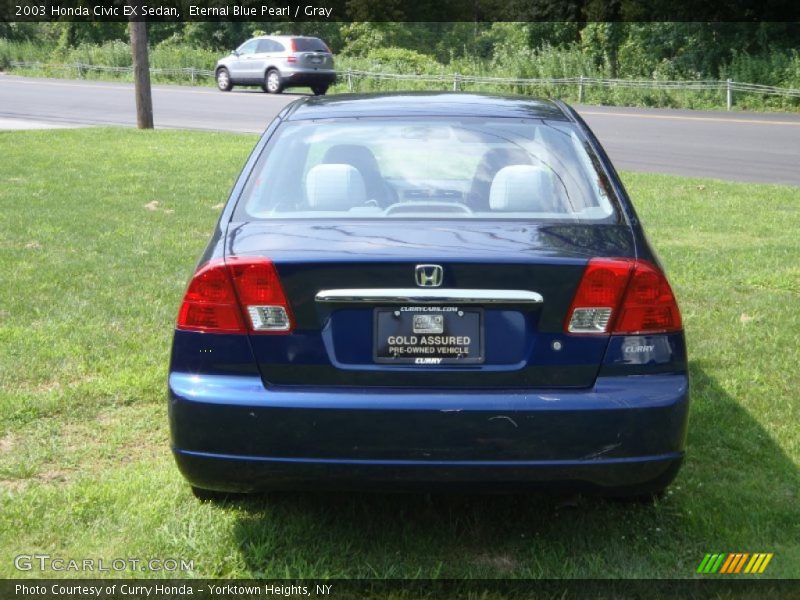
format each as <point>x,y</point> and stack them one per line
<point>428,290</point>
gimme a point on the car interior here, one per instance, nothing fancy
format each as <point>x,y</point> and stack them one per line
<point>318,179</point>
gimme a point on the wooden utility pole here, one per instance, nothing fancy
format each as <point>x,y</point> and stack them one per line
<point>141,74</point>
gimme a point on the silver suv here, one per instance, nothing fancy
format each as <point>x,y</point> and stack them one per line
<point>277,62</point>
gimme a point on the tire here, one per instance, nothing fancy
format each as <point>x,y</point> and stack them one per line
<point>272,82</point>
<point>319,90</point>
<point>224,80</point>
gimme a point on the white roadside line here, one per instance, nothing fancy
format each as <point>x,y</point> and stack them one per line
<point>172,89</point>
<point>9,124</point>
<point>686,118</point>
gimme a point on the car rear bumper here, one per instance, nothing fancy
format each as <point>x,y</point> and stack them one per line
<point>303,77</point>
<point>624,435</point>
<point>635,476</point>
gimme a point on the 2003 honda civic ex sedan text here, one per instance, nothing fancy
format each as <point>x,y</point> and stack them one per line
<point>426,290</point>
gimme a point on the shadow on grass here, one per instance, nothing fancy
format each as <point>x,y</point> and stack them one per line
<point>737,492</point>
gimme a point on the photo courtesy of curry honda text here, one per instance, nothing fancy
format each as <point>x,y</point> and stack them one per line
<point>424,291</point>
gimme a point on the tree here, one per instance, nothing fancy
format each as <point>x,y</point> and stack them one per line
<point>141,74</point>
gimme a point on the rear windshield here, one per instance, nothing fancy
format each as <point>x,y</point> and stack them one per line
<point>309,45</point>
<point>371,168</point>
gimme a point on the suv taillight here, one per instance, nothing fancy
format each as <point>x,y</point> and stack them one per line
<point>240,295</point>
<point>623,296</point>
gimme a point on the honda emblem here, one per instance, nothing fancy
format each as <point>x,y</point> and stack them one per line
<point>429,275</point>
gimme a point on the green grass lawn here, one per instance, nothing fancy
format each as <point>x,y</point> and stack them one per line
<point>99,232</point>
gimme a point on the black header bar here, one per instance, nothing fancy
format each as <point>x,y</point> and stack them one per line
<point>271,11</point>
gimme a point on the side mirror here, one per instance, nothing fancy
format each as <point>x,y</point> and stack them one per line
<point>235,52</point>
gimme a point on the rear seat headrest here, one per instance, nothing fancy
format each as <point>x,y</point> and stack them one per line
<point>335,187</point>
<point>524,188</point>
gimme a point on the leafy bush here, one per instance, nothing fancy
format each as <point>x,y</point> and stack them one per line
<point>175,55</point>
<point>400,60</point>
<point>776,68</point>
<point>110,54</point>
<point>21,51</point>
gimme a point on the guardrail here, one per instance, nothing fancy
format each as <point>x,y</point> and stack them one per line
<point>456,81</point>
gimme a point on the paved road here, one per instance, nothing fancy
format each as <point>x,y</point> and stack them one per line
<point>738,146</point>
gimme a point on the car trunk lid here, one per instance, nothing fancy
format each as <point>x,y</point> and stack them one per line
<point>498,310</point>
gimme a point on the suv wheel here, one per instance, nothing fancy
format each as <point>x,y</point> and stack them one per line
<point>272,82</point>
<point>319,90</point>
<point>224,80</point>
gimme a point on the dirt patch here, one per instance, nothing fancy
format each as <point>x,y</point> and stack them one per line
<point>59,384</point>
<point>47,387</point>
<point>52,475</point>
<point>107,419</point>
<point>502,563</point>
<point>46,476</point>
<point>7,443</point>
<point>13,485</point>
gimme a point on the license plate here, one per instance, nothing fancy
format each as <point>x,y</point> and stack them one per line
<point>429,335</point>
<point>316,60</point>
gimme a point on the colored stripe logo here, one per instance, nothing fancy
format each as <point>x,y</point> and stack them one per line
<point>732,563</point>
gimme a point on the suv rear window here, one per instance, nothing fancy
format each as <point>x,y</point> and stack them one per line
<point>309,45</point>
<point>427,168</point>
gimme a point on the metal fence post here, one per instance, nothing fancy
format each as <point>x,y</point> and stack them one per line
<point>349,80</point>
<point>580,89</point>
<point>455,82</point>
<point>192,72</point>
<point>729,95</point>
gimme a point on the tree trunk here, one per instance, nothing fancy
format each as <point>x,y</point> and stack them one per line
<point>141,74</point>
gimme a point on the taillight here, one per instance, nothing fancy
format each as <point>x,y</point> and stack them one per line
<point>292,46</point>
<point>598,295</point>
<point>240,295</point>
<point>260,294</point>
<point>649,305</point>
<point>291,59</point>
<point>623,296</point>
<point>210,302</point>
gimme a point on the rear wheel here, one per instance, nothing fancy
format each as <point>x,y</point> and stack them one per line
<point>272,82</point>
<point>319,90</point>
<point>224,80</point>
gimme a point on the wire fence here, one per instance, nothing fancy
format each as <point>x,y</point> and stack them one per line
<point>458,82</point>
<point>82,69</point>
